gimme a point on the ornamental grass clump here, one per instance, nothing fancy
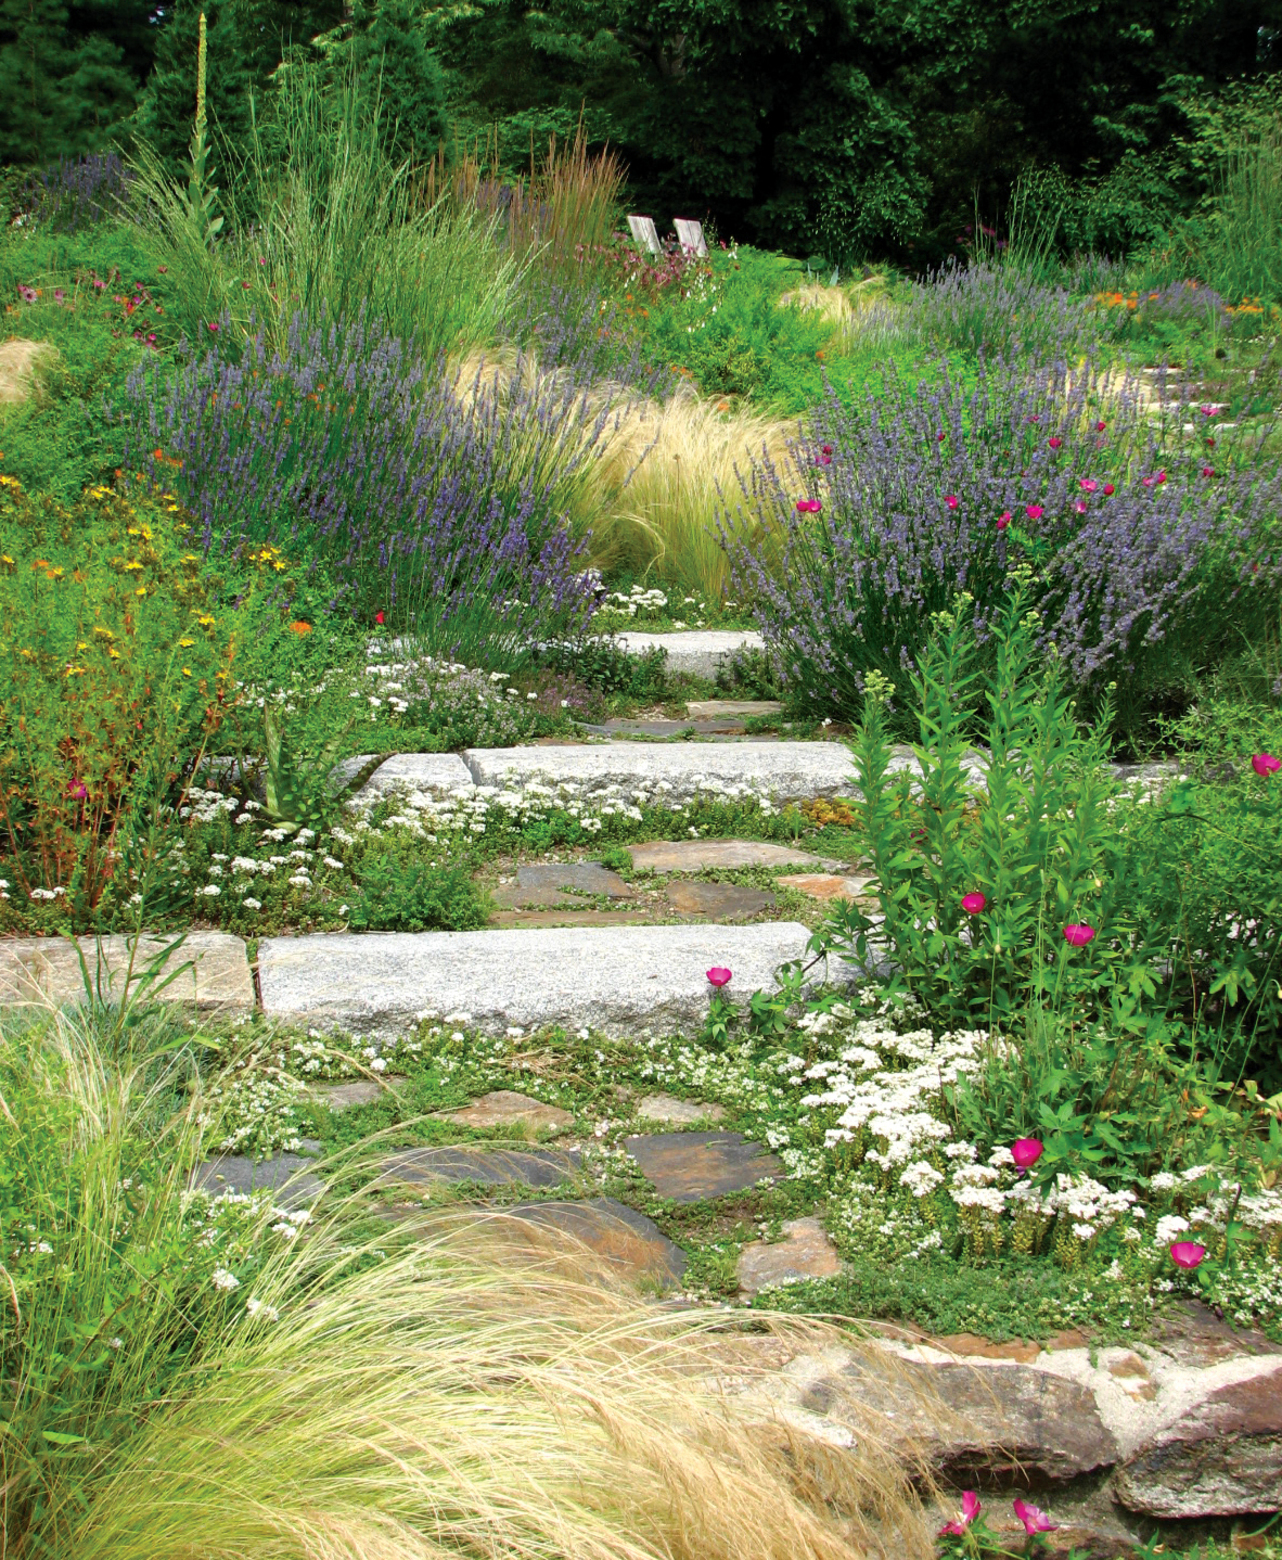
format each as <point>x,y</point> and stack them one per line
<point>183,1374</point>
<point>428,498</point>
<point>936,487</point>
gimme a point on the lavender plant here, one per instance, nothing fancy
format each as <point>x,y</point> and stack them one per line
<point>1001,309</point>
<point>889,510</point>
<point>428,499</point>
<point>75,192</point>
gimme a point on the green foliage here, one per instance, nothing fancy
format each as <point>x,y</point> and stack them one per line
<point>400,891</point>
<point>115,673</point>
<point>1038,841</point>
<point>1241,254</point>
<point>603,664</point>
<point>382,46</point>
<point>62,91</point>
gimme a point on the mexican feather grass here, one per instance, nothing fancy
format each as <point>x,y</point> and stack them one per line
<point>395,1393</point>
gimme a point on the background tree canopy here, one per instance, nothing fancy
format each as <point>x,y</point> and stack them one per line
<point>840,128</point>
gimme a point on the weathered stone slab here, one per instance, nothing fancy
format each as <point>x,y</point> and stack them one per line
<point>45,971</point>
<point>826,886</point>
<point>623,980</point>
<point>779,769</point>
<point>288,1176</point>
<point>718,901</point>
<point>583,877</point>
<point>711,855</point>
<point>507,1108</point>
<point>359,1091</point>
<point>634,1246</point>
<point>664,1107</point>
<point>1221,1459</point>
<point>699,653</point>
<point>569,915</point>
<point>691,1166</point>
<point>489,1166</point>
<point>434,773</point>
<point>724,709</point>
<point>805,1252</point>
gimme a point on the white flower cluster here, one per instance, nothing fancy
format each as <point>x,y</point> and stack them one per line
<point>475,809</point>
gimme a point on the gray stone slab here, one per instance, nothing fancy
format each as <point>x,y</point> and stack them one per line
<point>699,653</point>
<point>692,1166</point>
<point>679,1113</point>
<point>782,770</point>
<point>536,1167</point>
<point>433,773</point>
<point>713,855</point>
<point>624,979</point>
<point>46,971</point>
<point>584,877</point>
<point>288,1176</point>
<point>806,1251</point>
<point>728,709</point>
<point>507,1108</point>
<point>359,1091</point>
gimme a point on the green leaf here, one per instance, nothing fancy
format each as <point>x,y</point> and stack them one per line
<point>61,1438</point>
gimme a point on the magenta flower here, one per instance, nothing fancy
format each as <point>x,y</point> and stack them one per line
<point>78,791</point>
<point>970,1509</point>
<point>952,500</point>
<point>1265,764</point>
<point>941,437</point>
<point>1099,427</point>
<point>1034,1519</point>
<point>972,904</point>
<point>212,326</point>
<point>718,977</point>
<point>1187,1254</point>
<point>809,506</point>
<point>1081,506</point>
<point>27,294</point>
<point>1109,490</point>
<point>1079,935</point>
<point>1088,485</point>
<point>1054,443</point>
<point>1003,520</point>
<point>1034,511</point>
<point>1026,1152</point>
<point>1208,471</point>
<point>1208,411</point>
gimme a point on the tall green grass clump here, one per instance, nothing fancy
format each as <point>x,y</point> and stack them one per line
<point>1241,255</point>
<point>187,1377</point>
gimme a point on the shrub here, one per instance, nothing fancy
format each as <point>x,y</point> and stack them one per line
<point>114,675</point>
<point>402,892</point>
<point>426,498</point>
<point>926,490</point>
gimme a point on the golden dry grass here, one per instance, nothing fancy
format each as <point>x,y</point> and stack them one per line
<point>19,363</point>
<point>455,1401</point>
<point>651,488</point>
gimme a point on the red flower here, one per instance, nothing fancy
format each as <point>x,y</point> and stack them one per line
<point>1109,490</point>
<point>1054,443</point>
<point>972,904</point>
<point>379,618</point>
<point>952,500</point>
<point>1081,506</point>
<point>1034,511</point>
<point>1099,427</point>
<point>1208,471</point>
<point>78,791</point>
<point>1088,485</point>
<point>1003,520</point>
<point>1034,1519</point>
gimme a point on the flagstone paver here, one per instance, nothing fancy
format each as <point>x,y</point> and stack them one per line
<point>825,885</point>
<point>46,971</point>
<point>485,1164</point>
<point>719,901</point>
<point>437,773</point>
<point>288,1176</point>
<point>633,1245</point>
<point>507,1108</point>
<point>690,1166</point>
<point>360,1091</point>
<point>782,769</point>
<point>745,709</point>
<point>664,1107</point>
<point>709,855</point>
<point>583,877</point>
<point>620,979</point>
<point>699,653</point>
<point>806,1251</point>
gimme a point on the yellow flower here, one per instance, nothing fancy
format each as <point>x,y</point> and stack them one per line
<point>186,671</point>
<point>141,591</point>
<point>186,642</point>
<point>5,558</point>
<point>114,654</point>
<point>205,620</point>
<point>132,565</point>
<point>278,567</point>
<point>81,645</point>
<point>104,633</point>
<point>75,671</point>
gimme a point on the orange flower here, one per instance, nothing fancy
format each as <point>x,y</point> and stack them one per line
<point>300,628</point>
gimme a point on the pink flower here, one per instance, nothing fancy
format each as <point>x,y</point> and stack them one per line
<point>1003,520</point>
<point>1187,1254</point>
<point>1099,427</point>
<point>1208,471</point>
<point>1088,485</point>
<point>1078,936</point>
<point>1081,506</point>
<point>1109,490</point>
<point>809,506</point>
<point>824,458</point>
<point>941,437</point>
<point>1026,1152</point>
<point>952,500</point>
<point>1054,443</point>
<point>972,904</point>
<point>1034,511</point>
<point>1265,764</point>
<point>1034,1520</point>
<point>78,791</point>
<point>970,1509</point>
<point>718,977</point>
<point>212,327</point>
<point>379,618</point>
<point>1208,411</point>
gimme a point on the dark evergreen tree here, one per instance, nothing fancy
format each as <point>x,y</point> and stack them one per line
<point>60,94</point>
